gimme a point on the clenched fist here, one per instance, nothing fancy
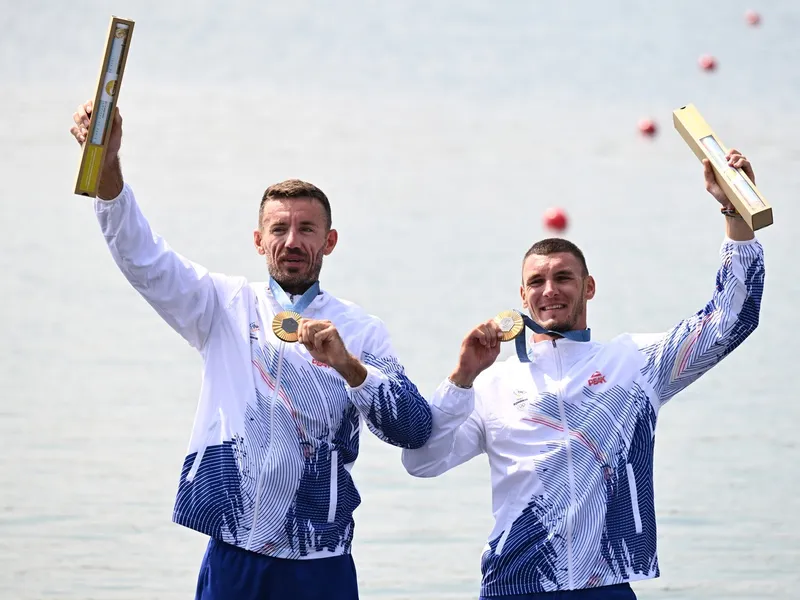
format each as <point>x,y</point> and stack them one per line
<point>324,343</point>
<point>111,181</point>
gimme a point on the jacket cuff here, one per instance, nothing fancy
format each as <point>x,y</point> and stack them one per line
<point>374,377</point>
<point>728,241</point>
<point>101,204</point>
<point>451,399</point>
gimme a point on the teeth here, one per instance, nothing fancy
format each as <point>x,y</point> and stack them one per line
<point>554,306</point>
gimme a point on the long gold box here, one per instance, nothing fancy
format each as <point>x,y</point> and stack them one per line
<point>105,100</point>
<point>742,192</point>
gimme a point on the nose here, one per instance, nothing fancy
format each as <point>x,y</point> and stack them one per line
<point>292,238</point>
<point>549,288</point>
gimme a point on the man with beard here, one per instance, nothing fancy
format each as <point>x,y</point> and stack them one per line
<point>568,426</point>
<point>267,472</point>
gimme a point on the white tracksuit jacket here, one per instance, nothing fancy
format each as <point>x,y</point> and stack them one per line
<point>276,432</point>
<point>570,437</point>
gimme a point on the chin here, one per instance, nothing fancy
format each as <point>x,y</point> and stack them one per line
<point>294,271</point>
<point>554,325</point>
<point>294,278</point>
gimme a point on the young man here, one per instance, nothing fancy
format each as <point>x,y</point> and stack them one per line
<point>569,426</point>
<point>267,475</point>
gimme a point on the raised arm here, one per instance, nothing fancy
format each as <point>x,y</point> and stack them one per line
<point>684,353</point>
<point>180,291</point>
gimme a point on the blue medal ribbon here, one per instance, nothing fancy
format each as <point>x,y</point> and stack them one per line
<point>281,298</point>
<point>577,335</point>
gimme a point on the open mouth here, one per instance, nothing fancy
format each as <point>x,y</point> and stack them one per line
<point>549,309</point>
<point>293,261</point>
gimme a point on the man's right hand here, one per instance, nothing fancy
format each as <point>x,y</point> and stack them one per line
<point>111,181</point>
<point>479,350</point>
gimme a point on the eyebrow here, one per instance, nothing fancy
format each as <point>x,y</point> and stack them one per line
<point>285,222</point>
<point>559,272</point>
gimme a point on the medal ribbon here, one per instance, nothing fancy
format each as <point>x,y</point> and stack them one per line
<point>577,335</point>
<point>299,306</point>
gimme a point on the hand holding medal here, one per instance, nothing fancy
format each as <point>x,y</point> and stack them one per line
<point>479,350</point>
<point>325,345</point>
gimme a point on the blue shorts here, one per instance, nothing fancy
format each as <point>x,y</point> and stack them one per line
<point>620,591</point>
<point>231,573</point>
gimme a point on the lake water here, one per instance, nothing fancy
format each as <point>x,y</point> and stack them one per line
<point>440,133</point>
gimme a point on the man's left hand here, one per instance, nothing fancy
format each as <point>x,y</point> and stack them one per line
<point>735,160</point>
<point>324,344</point>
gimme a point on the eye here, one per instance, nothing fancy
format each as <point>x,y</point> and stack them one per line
<point>307,229</point>
<point>277,230</point>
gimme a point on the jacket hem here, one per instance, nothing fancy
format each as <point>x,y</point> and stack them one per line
<point>519,589</point>
<point>282,553</point>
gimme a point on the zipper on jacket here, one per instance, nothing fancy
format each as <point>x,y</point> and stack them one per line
<point>260,482</point>
<point>570,469</point>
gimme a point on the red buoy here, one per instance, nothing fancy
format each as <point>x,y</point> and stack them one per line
<point>555,219</point>
<point>647,127</point>
<point>707,62</point>
<point>752,17</point>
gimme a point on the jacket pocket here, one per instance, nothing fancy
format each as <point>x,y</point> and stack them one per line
<point>201,451</point>
<point>637,519</point>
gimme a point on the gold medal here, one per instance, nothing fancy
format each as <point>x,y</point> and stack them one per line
<point>511,324</point>
<point>285,325</point>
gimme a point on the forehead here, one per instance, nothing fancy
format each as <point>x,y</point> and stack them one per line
<point>294,209</point>
<point>544,264</point>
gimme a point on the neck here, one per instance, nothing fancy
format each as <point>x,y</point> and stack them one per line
<point>544,337</point>
<point>296,288</point>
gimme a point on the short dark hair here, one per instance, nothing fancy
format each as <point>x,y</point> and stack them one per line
<point>554,245</point>
<point>295,188</point>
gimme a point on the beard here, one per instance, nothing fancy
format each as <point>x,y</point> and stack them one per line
<point>296,279</point>
<point>567,324</point>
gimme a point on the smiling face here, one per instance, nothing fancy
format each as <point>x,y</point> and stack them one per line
<point>294,236</point>
<point>555,289</point>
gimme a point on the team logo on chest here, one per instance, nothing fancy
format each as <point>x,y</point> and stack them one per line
<point>596,378</point>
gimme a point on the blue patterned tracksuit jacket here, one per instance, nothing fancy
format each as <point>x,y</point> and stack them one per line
<point>276,432</point>
<point>570,438</point>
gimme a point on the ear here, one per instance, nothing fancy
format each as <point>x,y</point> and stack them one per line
<point>524,299</point>
<point>257,239</point>
<point>590,288</point>
<point>330,241</point>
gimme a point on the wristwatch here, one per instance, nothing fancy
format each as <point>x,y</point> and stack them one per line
<point>463,387</point>
<point>730,213</point>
